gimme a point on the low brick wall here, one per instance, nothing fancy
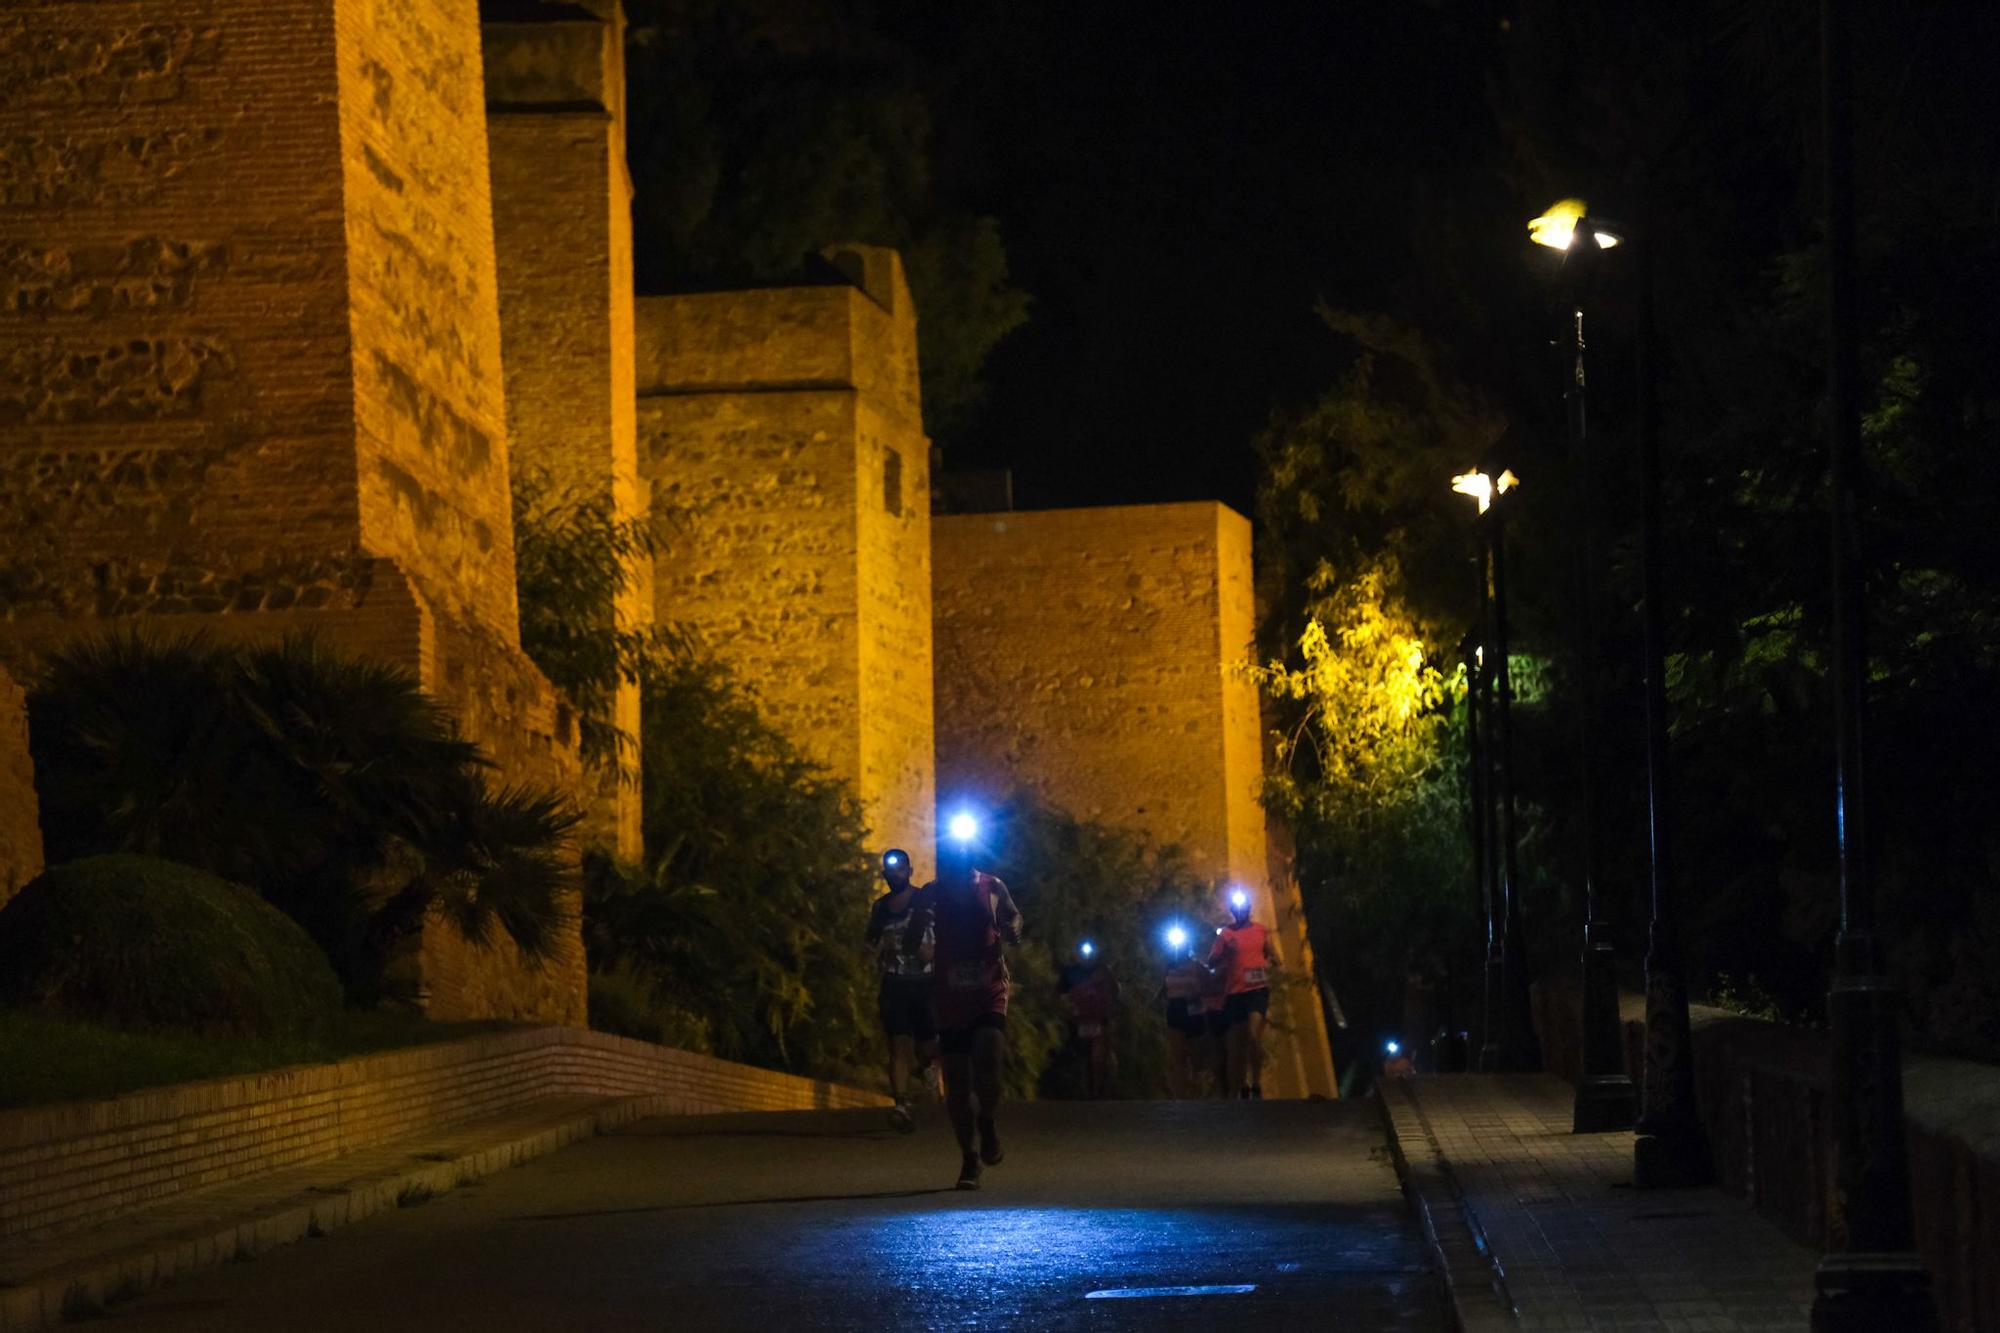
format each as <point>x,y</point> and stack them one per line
<point>76,1163</point>
<point>1762,1093</point>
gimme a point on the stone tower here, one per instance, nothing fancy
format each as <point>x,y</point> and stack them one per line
<point>250,370</point>
<point>562,222</point>
<point>782,433</point>
<point>1088,654</point>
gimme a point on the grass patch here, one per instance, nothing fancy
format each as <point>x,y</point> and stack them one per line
<point>45,1059</point>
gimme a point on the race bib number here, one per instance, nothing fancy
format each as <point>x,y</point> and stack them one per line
<point>965,976</point>
<point>1089,1029</point>
<point>1253,977</point>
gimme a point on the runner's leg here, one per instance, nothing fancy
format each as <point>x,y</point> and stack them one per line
<point>1238,1061</point>
<point>989,1050</point>
<point>1254,1031</point>
<point>958,1098</point>
<point>900,1048</point>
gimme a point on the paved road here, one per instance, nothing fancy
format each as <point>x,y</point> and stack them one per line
<point>829,1220</point>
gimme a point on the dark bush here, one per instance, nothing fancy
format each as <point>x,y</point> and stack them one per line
<point>331,785</point>
<point>139,943</point>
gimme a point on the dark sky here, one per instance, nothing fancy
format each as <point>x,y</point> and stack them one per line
<point>1177,185</point>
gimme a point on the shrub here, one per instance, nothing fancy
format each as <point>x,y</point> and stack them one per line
<point>333,786</point>
<point>139,943</point>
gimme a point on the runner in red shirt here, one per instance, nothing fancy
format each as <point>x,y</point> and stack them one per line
<point>1242,953</point>
<point>970,916</point>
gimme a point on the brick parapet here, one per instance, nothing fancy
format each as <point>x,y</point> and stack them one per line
<point>67,1166</point>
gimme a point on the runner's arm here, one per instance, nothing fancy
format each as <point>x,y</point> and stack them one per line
<point>1006,916</point>
<point>876,918</point>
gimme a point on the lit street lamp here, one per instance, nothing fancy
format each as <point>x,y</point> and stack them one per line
<point>1512,1017</point>
<point>1603,1088</point>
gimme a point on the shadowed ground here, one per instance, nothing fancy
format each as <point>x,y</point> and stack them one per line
<point>830,1220</point>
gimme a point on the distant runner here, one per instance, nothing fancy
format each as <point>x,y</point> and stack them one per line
<point>1242,953</point>
<point>1089,991</point>
<point>904,999</point>
<point>1186,1013</point>
<point>970,915</point>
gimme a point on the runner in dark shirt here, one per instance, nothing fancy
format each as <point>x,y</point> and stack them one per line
<point>971,916</point>
<point>904,998</point>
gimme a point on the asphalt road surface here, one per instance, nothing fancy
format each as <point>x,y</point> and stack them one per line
<point>831,1220</point>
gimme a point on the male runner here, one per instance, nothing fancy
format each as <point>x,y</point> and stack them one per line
<point>904,1000</point>
<point>1089,993</point>
<point>1186,1013</point>
<point>970,915</point>
<point>1243,953</point>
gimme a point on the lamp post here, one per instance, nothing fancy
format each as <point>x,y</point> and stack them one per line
<point>1870,1277</point>
<point>1485,876</point>
<point>1604,1097</point>
<point>1517,1047</point>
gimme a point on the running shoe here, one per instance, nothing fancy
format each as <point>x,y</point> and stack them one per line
<point>968,1172</point>
<point>900,1121</point>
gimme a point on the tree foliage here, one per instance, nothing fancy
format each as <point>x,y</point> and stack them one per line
<point>764,131</point>
<point>331,785</point>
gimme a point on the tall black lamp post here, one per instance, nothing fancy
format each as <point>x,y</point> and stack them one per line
<point>1516,1048</point>
<point>1870,1278</point>
<point>1485,874</point>
<point>1604,1096</point>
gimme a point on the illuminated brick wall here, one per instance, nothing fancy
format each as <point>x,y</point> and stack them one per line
<point>562,218</point>
<point>20,828</point>
<point>1086,654</point>
<point>250,354</point>
<point>781,432</point>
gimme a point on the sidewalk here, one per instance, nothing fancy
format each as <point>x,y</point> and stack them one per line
<point>1538,1228</point>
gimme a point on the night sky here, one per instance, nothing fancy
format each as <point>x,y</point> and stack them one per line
<point>1177,185</point>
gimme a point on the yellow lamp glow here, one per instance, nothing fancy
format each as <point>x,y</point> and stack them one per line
<point>1557,228</point>
<point>1482,487</point>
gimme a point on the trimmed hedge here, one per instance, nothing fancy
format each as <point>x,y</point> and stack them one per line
<point>139,943</point>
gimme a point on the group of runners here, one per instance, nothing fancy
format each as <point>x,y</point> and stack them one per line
<point>941,952</point>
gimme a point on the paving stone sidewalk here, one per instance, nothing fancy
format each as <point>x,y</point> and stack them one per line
<point>1537,1228</point>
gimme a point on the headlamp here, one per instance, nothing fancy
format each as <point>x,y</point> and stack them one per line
<point>1393,1047</point>
<point>1176,937</point>
<point>1087,948</point>
<point>963,827</point>
<point>1239,899</point>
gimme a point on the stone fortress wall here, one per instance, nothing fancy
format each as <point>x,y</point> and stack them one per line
<point>1088,655</point>
<point>781,432</point>
<point>250,360</point>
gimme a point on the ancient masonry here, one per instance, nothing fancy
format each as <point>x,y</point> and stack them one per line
<point>1089,655</point>
<point>562,222</point>
<point>250,358</point>
<point>20,827</point>
<point>782,435</point>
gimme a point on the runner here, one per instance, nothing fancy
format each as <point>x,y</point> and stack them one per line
<point>1186,1012</point>
<point>1089,992</point>
<point>1243,953</point>
<point>969,914</point>
<point>1215,1025</point>
<point>904,1000</point>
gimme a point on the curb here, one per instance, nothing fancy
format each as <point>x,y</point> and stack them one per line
<point>1474,1281</point>
<point>85,1289</point>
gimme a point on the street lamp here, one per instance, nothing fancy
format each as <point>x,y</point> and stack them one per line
<point>1516,1047</point>
<point>1603,1089</point>
<point>1485,875</point>
<point>1671,1148</point>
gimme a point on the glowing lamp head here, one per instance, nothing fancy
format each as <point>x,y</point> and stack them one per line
<point>1557,228</point>
<point>1393,1047</point>
<point>1087,949</point>
<point>1482,487</point>
<point>1177,937</point>
<point>963,827</point>
<point>1239,899</point>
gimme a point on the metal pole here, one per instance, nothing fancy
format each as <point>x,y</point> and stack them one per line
<point>1672,1148</point>
<point>1477,746</point>
<point>1603,1088</point>
<point>1519,1048</point>
<point>1870,1277</point>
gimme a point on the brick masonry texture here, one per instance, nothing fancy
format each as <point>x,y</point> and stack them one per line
<point>250,352</point>
<point>20,828</point>
<point>68,1166</point>
<point>781,432</point>
<point>562,220</point>
<point>1087,654</point>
